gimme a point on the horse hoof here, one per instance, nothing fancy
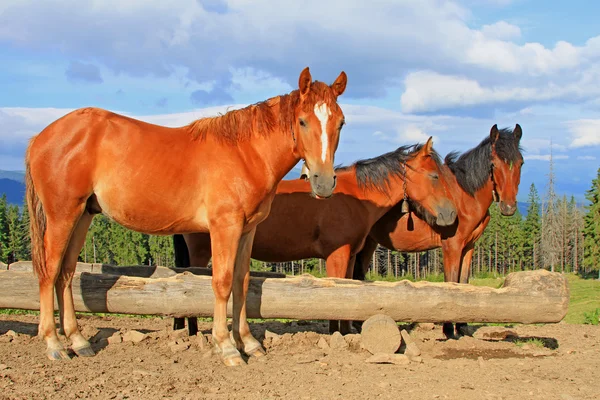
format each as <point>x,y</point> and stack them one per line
<point>448,329</point>
<point>462,329</point>
<point>233,361</point>
<point>256,352</point>
<point>85,351</point>
<point>57,354</point>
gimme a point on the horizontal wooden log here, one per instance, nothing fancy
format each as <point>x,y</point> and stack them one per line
<point>142,271</point>
<point>526,297</point>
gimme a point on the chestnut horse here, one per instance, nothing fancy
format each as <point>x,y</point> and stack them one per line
<point>216,174</point>
<point>299,227</point>
<point>491,171</point>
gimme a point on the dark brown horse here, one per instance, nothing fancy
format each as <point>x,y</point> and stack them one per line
<point>491,171</point>
<point>216,174</point>
<point>300,227</point>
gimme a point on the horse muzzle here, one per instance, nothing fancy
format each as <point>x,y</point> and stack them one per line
<point>322,185</point>
<point>446,215</point>
<point>507,209</point>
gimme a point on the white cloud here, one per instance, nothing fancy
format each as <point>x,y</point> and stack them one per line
<point>539,145</point>
<point>585,158</point>
<point>585,132</point>
<point>545,157</point>
<point>501,30</point>
<point>431,91</point>
<point>414,134</point>
<point>278,39</point>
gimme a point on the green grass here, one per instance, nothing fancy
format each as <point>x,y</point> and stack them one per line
<point>585,299</point>
<point>592,318</point>
<point>533,341</point>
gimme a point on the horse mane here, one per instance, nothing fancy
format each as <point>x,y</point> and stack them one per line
<point>259,118</point>
<point>472,169</point>
<point>375,173</point>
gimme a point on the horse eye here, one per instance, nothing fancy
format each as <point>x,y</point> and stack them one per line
<point>302,123</point>
<point>434,176</point>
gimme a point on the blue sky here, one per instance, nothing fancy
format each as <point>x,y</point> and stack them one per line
<point>449,69</point>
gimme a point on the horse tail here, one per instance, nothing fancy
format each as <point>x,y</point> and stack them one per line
<point>182,255</point>
<point>37,221</point>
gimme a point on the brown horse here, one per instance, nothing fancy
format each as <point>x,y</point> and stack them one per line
<point>216,174</point>
<point>491,171</point>
<point>299,227</point>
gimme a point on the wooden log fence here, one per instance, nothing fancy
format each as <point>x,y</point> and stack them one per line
<point>526,297</point>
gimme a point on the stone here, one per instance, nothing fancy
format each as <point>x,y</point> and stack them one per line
<point>322,344</point>
<point>177,348</point>
<point>337,342</point>
<point>201,341</point>
<point>115,338</point>
<point>271,335</point>
<point>179,334</point>
<point>412,350</point>
<point>134,336</point>
<point>386,358</point>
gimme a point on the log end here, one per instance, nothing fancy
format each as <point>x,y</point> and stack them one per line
<point>380,334</point>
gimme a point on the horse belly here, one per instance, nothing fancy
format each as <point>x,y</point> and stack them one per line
<point>160,212</point>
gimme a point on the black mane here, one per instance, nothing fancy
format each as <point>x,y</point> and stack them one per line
<point>473,168</point>
<point>375,173</point>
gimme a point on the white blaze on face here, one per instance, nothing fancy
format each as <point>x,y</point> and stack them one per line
<point>322,112</point>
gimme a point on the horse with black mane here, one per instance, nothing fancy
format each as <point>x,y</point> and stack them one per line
<point>489,172</point>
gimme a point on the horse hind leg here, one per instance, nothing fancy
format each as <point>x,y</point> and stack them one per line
<point>56,238</point>
<point>64,289</point>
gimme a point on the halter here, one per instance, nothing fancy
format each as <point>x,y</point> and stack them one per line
<point>495,195</point>
<point>404,208</point>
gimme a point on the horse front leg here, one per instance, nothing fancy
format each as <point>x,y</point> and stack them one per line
<point>452,251</point>
<point>465,272</point>
<point>226,235</point>
<point>337,267</point>
<point>241,330</point>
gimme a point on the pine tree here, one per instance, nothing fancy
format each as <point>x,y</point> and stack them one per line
<point>161,250</point>
<point>3,227</point>
<point>575,234</point>
<point>97,242</point>
<point>531,230</point>
<point>591,230</point>
<point>550,223</point>
<point>25,247</point>
<point>14,239</point>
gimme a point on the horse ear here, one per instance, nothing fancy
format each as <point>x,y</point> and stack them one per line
<point>518,132</point>
<point>304,82</point>
<point>494,133</point>
<point>428,147</point>
<point>339,86</point>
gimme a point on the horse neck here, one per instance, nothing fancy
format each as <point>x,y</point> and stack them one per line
<point>383,201</point>
<point>277,150</point>
<point>484,196</point>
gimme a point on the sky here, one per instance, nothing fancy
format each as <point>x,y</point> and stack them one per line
<point>447,69</point>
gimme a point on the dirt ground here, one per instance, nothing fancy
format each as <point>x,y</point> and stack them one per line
<point>558,361</point>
